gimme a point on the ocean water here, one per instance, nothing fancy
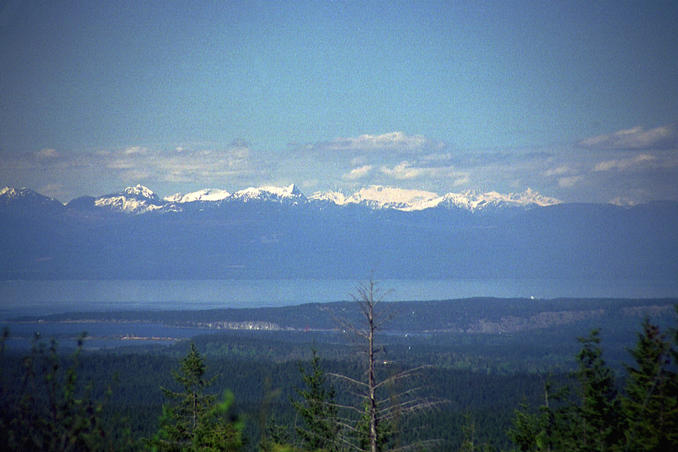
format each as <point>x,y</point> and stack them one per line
<point>46,297</point>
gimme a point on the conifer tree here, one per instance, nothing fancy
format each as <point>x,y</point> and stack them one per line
<point>193,420</point>
<point>526,428</point>
<point>52,411</point>
<point>317,410</point>
<point>644,418</point>
<point>651,400</point>
<point>598,422</point>
<point>549,429</point>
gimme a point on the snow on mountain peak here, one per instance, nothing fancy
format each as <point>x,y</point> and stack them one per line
<point>333,197</point>
<point>473,200</point>
<point>533,197</point>
<point>284,192</point>
<point>140,199</point>
<point>136,200</point>
<point>9,194</point>
<point>140,191</point>
<point>381,197</point>
<point>12,193</point>
<point>270,193</point>
<point>204,195</point>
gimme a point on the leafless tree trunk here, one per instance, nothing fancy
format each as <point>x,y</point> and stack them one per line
<point>367,296</point>
<point>367,301</point>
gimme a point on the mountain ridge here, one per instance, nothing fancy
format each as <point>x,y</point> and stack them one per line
<point>279,233</point>
<point>140,199</point>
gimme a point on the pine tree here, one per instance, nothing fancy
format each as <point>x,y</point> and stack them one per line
<point>52,411</point>
<point>193,420</point>
<point>644,418</point>
<point>651,401</point>
<point>317,410</point>
<point>526,428</point>
<point>599,424</point>
<point>548,429</point>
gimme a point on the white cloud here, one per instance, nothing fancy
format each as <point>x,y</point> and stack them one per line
<point>564,175</point>
<point>120,164</point>
<point>135,150</point>
<point>142,164</point>
<point>308,183</point>
<point>135,175</point>
<point>636,138</point>
<point>404,171</point>
<point>437,157</point>
<point>559,171</point>
<point>623,201</point>
<point>569,181</point>
<point>388,141</point>
<point>358,173</point>
<point>625,163</point>
<point>355,161</point>
<point>47,153</point>
<point>461,180</point>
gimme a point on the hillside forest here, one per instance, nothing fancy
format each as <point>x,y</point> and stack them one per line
<point>358,386</point>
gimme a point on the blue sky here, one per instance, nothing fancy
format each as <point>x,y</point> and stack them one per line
<point>577,100</point>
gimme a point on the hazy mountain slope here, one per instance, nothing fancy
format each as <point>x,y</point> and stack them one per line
<point>267,233</point>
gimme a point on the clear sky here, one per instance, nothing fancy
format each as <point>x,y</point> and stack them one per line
<point>575,99</point>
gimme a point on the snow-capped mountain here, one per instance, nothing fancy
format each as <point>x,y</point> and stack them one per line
<point>141,193</point>
<point>204,195</point>
<point>287,194</point>
<point>374,197</point>
<point>140,199</point>
<point>475,201</point>
<point>276,232</point>
<point>11,192</point>
<point>284,195</point>
<point>379,197</point>
<point>10,196</point>
<point>134,200</point>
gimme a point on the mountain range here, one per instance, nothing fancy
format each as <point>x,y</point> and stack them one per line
<point>140,199</point>
<point>278,232</point>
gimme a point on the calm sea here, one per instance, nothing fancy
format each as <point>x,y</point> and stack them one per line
<point>44,297</point>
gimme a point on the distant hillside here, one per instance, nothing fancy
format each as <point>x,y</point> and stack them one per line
<point>276,232</point>
<point>469,316</point>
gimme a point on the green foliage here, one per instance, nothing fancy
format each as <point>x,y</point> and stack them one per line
<point>599,426</point>
<point>644,417</point>
<point>643,395</point>
<point>218,430</point>
<point>277,439</point>
<point>549,428</point>
<point>528,429</point>
<point>651,400</point>
<point>385,430</point>
<point>52,410</point>
<point>470,442</point>
<point>317,409</point>
<point>193,419</point>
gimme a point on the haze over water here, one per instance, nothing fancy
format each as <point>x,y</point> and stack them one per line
<point>45,297</point>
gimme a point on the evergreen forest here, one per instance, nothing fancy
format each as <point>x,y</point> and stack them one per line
<point>358,386</point>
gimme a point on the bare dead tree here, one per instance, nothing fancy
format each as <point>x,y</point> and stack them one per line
<point>386,410</point>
